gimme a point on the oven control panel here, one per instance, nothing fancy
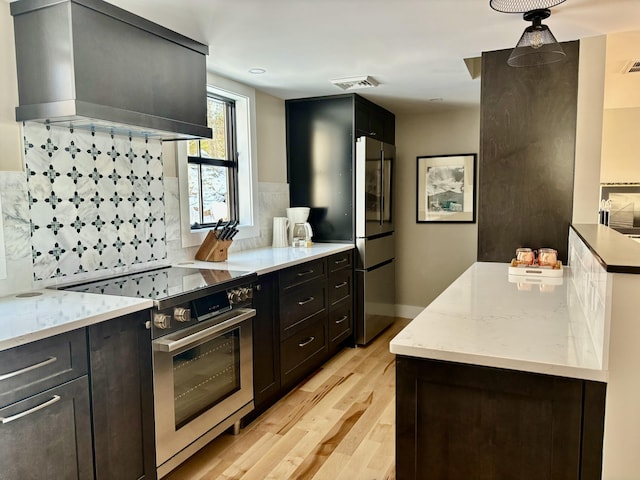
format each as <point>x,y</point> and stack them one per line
<point>181,316</point>
<point>240,296</point>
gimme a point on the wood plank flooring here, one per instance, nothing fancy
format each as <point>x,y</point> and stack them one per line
<point>337,425</point>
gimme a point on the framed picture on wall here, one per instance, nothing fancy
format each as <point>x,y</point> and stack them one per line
<point>446,188</point>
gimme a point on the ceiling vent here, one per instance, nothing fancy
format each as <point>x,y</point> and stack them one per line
<point>355,83</point>
<point>632,67</point>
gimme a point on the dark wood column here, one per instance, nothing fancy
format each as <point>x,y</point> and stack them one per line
<point>527,152</point>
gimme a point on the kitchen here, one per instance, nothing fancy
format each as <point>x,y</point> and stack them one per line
<point>437,132</point>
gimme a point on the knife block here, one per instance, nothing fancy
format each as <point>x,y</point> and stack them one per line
<point>213,249</point>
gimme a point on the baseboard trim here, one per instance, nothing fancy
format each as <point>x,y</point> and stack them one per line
<point>408,311</point>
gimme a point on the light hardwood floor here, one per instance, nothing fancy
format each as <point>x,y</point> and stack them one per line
<point>337,425</point>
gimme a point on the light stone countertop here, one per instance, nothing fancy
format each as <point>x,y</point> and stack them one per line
<point>483,318</point>
<point>51,312</point>
<point>265,260</point>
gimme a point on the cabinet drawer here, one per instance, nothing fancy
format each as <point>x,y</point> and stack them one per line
<point>303,350</point>
<point>340,286</point>
<point>340,260</point>
<point>302,303</point>
<point>38,366</point>
<point>303,273</point>
<point>340,321</point>
<point>48,435</point>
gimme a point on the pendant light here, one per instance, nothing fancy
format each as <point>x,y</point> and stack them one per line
<point>537,45</point>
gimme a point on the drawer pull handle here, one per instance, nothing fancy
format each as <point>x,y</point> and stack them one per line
<point>341,320</point>
<point>51,401</point>
<point>340,285</point>
<point>306,272</point>
<point>28,369</point>
<point>306,342</point>
<point>304,302</point>
<point>342,260</point>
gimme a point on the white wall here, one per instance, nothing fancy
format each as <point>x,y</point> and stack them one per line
<point>10,155</point>
<point>430,256</point>
<point>620,159</point>
<point>620,156</point>
<point>272,148</point>
<point>589,141</point>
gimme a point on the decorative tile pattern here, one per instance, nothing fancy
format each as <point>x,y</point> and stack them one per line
<point>96,200</point>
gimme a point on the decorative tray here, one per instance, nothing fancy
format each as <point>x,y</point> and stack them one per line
<point>536,270</point>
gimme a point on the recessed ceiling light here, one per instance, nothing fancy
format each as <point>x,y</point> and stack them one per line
<point>257,71</point>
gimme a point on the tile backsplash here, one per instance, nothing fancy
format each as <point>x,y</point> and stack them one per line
<point>119,211</point>
<point>96,200</point>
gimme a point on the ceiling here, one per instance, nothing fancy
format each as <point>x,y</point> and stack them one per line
<point>413,48</point>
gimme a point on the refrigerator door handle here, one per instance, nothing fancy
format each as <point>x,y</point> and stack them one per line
<point>381,206</point>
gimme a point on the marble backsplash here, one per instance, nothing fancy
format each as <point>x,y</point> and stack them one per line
<point>25,273</point>
<point>592,290</point>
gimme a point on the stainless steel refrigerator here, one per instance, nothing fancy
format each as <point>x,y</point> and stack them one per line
<point>375,241</point>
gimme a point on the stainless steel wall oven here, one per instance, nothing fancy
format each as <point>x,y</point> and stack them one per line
<point>201,329</point>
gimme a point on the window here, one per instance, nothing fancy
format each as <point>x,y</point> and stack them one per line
<point>213,168</point>
<point>242,123</point>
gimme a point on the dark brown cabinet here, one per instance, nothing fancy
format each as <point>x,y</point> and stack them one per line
<point>340,299</point>
<point>266,342</point>
<point>122,398</point>
<point>374,121</point>
<point>45,430</point>
<point>465,421</point>
<point>48,435</point>
<point>303,315</point>
<point>304,350</point>
<point>80,405</point>
<point>303,318</point>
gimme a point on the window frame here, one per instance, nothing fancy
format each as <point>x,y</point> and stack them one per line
<point>245,121</point>
<point>231,164</point>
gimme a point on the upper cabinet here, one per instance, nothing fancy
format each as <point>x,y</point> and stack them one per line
<point>321,144</point>
<point>374,121</point>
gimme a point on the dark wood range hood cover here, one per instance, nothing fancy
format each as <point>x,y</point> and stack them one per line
<point>90,64</point>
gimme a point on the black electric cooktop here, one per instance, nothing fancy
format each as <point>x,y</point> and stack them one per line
<point>167,285</point>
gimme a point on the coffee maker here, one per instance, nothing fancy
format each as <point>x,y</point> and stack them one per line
<point>298,224</point>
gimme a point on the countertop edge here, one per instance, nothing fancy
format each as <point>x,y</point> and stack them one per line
<point>243,261</point>
<point>600,238</point>
<point>499,362</point>
<point>46,332</point>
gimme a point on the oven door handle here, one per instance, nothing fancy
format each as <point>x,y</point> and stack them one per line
<point>170,344</point>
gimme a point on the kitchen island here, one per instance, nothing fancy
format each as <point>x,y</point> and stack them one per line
<point>504,377</point>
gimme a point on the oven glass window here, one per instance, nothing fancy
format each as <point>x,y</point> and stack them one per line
<point>205,375</point>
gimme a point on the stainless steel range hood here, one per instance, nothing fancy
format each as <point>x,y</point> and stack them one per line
<point>90,64</point>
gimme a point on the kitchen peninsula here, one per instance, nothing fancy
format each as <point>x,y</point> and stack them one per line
<point>508,376</point>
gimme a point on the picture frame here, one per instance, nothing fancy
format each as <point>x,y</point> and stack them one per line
<point>445,188</point>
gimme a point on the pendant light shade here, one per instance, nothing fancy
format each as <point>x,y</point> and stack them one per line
<point>537,45</point>
<point>522,6</point>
